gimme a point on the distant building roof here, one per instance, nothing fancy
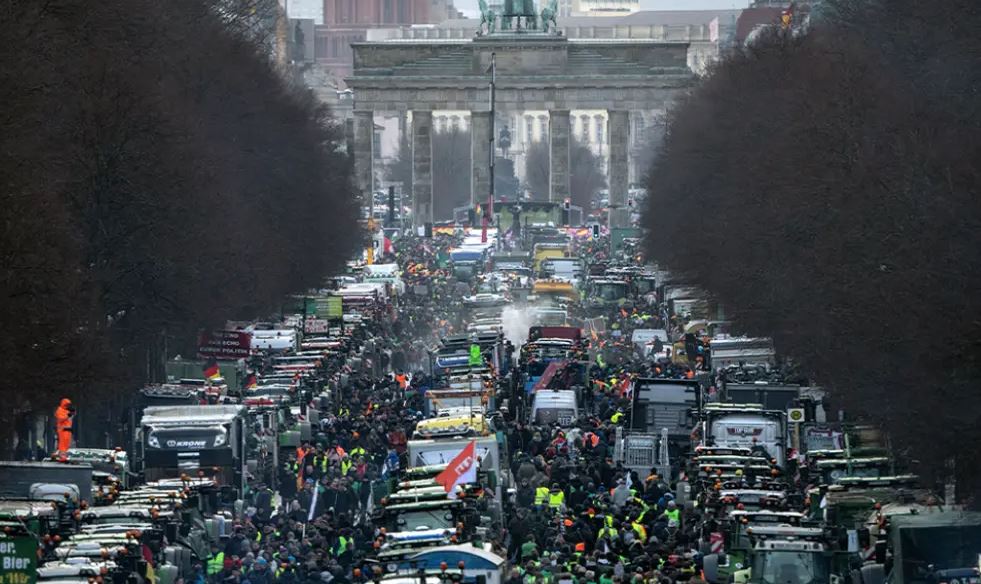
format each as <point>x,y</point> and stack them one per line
<point>652,18</point>
<point>641,18</point>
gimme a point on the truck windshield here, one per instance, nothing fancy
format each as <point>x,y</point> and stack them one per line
<point>536,368</point>
<point>942,547</point>
<point>611,292</point>
<point>430,519</point>
<point>561,416</point>
<point>789,567</point>
<point>465,256</point>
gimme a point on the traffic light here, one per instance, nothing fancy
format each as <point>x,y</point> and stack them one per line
<point>596,231</point>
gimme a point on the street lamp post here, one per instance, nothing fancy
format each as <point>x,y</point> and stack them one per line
<point>489,211</point>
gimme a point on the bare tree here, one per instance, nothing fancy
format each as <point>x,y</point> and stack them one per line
<point>586,172</point>
<point>451,172</point>
<point>184,183</point>
<point>837,172</point>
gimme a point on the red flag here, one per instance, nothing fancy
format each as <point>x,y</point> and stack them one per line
<point>461,470</point>
<point>626,387</point>
<point>387,246</point>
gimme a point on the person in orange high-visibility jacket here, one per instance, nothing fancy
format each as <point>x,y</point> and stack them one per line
<point>63,425</point>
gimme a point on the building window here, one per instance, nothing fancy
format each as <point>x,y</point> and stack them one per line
<point>529,129</point>
<point>598,121</point>
<point>543,127</point>
<point>584,127</point>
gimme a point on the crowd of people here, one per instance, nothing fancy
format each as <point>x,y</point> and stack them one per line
<point>575,514</point>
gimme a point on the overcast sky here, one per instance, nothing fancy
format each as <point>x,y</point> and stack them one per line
<point>470,6</point>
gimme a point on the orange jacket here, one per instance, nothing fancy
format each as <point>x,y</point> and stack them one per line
<point>63,417</point>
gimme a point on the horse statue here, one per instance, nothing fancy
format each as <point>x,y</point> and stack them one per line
<point>487,17</point>
<point>549,14</point>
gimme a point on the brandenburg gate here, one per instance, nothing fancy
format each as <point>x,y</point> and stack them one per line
<point>537,69</point>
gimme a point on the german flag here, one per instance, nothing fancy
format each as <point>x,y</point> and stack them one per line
<point>211,371</point>
<point>251,381</point>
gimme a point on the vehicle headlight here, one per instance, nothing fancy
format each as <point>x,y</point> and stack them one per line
<point>153,441</point>
<point>220,440</point>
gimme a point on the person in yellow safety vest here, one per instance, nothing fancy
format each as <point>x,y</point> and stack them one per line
<point>672,514</point>
<point>640,530</point>
<point>644,509</point>
<point>608,531</point>
<point>357,451</point>
<point>346,465</point>
<point>320,461</point>
<point>217,561</point>
<point>343,543</point>
<point>285,566</point>
<point>541,495</point>
<point>556,498</point>
<point>617,416</point>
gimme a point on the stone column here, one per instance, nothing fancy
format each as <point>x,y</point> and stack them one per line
<point>479,157</point>
<point>422,168</point>
<point>364,137</point>
<point>558,136</point>
<point>619,168</point>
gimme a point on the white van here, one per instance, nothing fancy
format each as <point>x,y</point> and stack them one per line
<point>554,406</point>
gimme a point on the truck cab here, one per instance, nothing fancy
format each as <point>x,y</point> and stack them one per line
<point>789,555</point>
<point>747,426</point>
<point>185,439</point>
<point>781,554</point>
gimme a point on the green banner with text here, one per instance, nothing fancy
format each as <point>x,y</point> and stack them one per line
<point>18,559</point>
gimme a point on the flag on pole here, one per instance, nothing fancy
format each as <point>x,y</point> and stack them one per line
<point>626,387</point>
<point>211,371</point>
<point>313,503</point>
<point>251,382</point>
<point>461,470</point>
